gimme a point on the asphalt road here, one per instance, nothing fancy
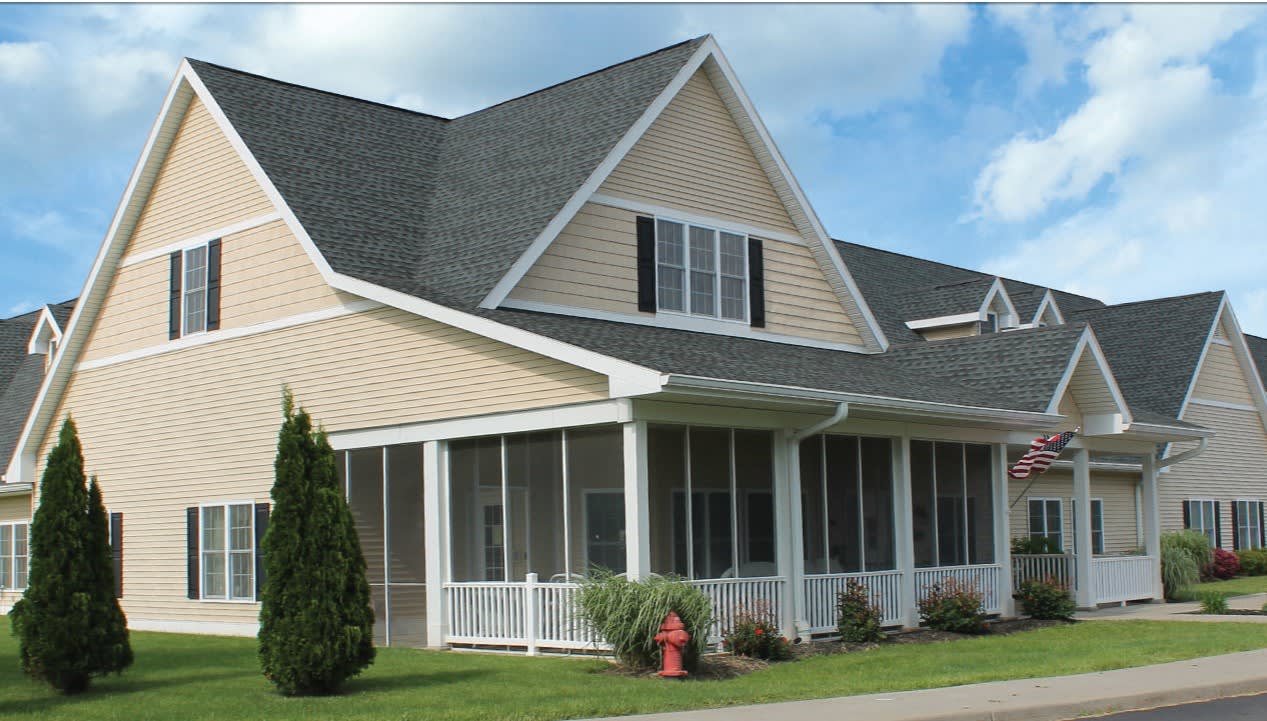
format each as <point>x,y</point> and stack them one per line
<point>1243,708</point>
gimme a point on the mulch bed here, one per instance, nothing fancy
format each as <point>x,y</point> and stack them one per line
<point>720,666</point>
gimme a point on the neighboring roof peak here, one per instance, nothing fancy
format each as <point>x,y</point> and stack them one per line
<point>1169,298</point>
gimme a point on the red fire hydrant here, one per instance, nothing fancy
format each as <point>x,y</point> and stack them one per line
<point>672,638</point>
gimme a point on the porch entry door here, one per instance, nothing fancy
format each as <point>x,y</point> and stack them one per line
<point>605,530</point>
<point>491,520</point>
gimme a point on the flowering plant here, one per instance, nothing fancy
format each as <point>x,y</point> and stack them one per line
<point>755,634</point>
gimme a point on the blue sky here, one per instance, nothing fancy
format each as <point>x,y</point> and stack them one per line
<point>1116,151</point>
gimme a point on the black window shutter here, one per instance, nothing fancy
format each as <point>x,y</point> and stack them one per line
<point>646,265</point>
<point>173,303</point>
<point>756,284</point>
<point>191,550</point>
<point>1187,518</point>
<point>261,526</point>
<point>1236,528</point>
<point>1218,525</point>
<point>213,285</point>
<point>116,551</point>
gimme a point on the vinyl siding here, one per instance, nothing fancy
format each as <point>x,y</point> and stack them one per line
<point>954,331</point>
<point>1230,468</point>
<point>199,425</point>
<point>1221,378</point>
<point>203,185</point>
<point>265,275</point>
<point>1116,490</point>
<point>798,299</point>
<point>695,158</point>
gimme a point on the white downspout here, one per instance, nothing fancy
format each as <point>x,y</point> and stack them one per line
<point>841,414</point>
<point>1190,453</point>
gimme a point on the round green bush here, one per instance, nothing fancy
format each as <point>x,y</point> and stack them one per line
<point>858,617</point>
<point>953,606</point>
<point>1253,561</point>
<point>755,634</point>
<point>1047,599</point>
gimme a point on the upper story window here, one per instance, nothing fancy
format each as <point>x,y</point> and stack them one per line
<point>194,302</point>
<point>701,271</point>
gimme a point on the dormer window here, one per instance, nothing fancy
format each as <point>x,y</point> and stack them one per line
<point>991,323</point>
<point>701,271</point>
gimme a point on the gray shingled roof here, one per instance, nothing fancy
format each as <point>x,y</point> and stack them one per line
<point>439,209</point>
<point>1153,346</point>
<point>963,296</point>
<point>1258,351</point>
<point>21,373</point>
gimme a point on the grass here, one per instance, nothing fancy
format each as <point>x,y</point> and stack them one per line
<point>201,678</point>
<point>1239,586</point>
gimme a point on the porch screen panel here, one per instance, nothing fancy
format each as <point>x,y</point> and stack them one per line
<point>596,498</point>
<point>980,501</point>
<point>923,504</point>
<point>666,470</point>
<point>877,504</point>
<point>813,506</point>
<point>844,520</point>
<point>406,553</point>
<point>475,510</point>
<point>365,498</point>
<point>754,487</point>
<point>534,473</point>
<point>711,509</point>
<point>952,521</point>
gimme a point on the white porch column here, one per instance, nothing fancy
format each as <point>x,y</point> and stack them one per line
<point>1003,531</point>
<point>1151,519</point>
<point>903,530</point>
<point>435,535</point>
<point>788,534</point>
<point>637,500</point>
<point>1082,527</point>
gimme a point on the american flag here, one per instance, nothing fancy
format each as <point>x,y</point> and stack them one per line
<point>1042,451</point>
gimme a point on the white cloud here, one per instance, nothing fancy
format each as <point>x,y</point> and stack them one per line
<point>24,63</point>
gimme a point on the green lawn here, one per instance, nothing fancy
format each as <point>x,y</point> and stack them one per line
<point>1238,586</point>
<point>199,677</point>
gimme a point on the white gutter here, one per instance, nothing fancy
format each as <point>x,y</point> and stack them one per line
<point>1190,453</point>
<point>842,412</point>
<point>16,489</point>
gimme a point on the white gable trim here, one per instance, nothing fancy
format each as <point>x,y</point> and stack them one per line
<point>1249,369</point>
<point>1008,319</point>
<point>823,242</point>
<point>1196,371</point>
<point>1048,302</point>
<point>1087,343</point>
<point>46,329</point>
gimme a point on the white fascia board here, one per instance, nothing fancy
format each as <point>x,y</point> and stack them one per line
<point>1163,433</point>
<point>1048,301</point>
<point>46,327</point>
<point>1087,343</point>
<point>923,408</point>
<point>16,489</point>
<point>945,320</point>
<point>99,277</point>
<point>538,246</point>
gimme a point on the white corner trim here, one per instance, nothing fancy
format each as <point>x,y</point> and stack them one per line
<point>1222,404</point>
<point>216,336</point>
<point>45,327</point>
<point>674,321</point>
<point>638,206</point>
<point>1048,301</point>
<point>201,628</point>
<point>619,410</point>
<point>945,320</point>
<point>200,239</point>
<point>538,246</point>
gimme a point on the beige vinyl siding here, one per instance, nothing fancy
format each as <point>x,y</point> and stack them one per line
<point>1116,490</point>
<point>1072,413</point>
<point>265,275</point>
<point>592,264</point>
<point>1221,378</point>
<point>203,185</point>
<point>798,299</point>
<point>954,331</point>
<point>199,425</point>
<point>1230,468</point>
<point>695,158</point>
<point>15,508</point>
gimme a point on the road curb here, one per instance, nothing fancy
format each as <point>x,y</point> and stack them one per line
<point>1119,704</point>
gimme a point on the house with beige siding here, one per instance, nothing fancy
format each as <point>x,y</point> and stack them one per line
<point>598,325</point>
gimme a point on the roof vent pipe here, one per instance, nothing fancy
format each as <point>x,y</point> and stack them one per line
<point>842,412</point>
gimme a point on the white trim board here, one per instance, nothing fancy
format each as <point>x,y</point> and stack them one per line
<point>638,206</point>
<point>200,239</point>
<point>678,321</point>
<point>1221,404</point>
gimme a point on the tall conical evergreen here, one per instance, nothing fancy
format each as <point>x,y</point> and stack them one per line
<point>68,623</point>
<point>316,622</point>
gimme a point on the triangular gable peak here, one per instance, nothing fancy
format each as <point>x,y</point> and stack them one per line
<point>999,304</point>
<point>1048,312</point>
<point>808,229</point>
<point>1226,374</point>
<point>1088,386</point>
<point>46,335</point>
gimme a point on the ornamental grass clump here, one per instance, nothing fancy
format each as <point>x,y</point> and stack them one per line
<point>627,615</point>
<point>1213,602</point>
<point>952,605</point>
<point>858,617</point>
<point>1046,599</point>
<point>755,634</point>
<point>1183,555</point>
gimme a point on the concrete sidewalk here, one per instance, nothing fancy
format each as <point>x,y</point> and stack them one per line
<point>1038,699</point>
<point>1178,611</point>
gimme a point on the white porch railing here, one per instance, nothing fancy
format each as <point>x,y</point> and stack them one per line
<point>984,579</point>
<point>1037,567</point>
<point>733,595</point>
<point>885,588</point>
<point>1115,579</point>
<point>529,614</point>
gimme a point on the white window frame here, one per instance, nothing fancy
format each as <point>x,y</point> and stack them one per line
<point>227,552</point>
<point>1047,531</point>
<point>8,580</point>
<point>185,289</point>
<point>1210,533</point>
<point>1256,537</point>
<point>717,271</point>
